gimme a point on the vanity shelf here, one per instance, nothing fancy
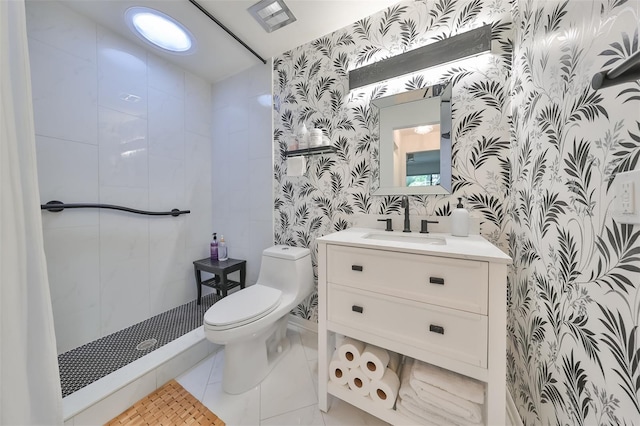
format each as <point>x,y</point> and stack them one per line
<point>366,404</point>
<point>324,149</point>
<point>392,282</point>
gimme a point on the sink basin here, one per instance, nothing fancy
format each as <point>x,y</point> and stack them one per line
<point>409,238</point>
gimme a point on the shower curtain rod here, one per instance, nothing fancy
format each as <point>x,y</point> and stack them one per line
<point>58,206</point>
<point>627,70</point>
<point>221,25</point>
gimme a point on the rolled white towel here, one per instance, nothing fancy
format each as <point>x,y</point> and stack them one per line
<point>453,383</point>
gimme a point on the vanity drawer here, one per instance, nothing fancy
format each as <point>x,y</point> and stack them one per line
<point>448,332</point>
<point>454,283</point>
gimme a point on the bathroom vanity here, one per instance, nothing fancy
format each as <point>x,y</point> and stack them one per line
<point>432,297</point>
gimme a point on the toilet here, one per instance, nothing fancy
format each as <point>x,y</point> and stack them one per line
<point>252,322</point>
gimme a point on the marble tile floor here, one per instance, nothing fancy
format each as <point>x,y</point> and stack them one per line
<point>287,396</point>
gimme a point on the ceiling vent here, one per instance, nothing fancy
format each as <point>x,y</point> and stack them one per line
<point>272,14</point>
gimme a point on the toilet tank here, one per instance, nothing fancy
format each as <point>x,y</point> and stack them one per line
<point>287,269</point>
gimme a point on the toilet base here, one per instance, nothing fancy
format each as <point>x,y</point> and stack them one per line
<point>248,362</point>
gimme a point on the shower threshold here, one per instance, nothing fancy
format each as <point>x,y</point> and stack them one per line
<point>86,364</point>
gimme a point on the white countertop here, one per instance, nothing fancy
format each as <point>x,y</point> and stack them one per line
<point>473,247</point>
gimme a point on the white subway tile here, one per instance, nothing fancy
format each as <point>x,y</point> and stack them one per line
<point>165,76</point>
<point>260,189</point>
<point>72,265</point>
<point>65,94</point>
<point>260,129</point>
<point>123,149</point>
<point>67,172</point>
<point>124,294</point>
<point>197,105</point>
<point>166,125</point>
<point>58,26</point>
<point>123,235</point>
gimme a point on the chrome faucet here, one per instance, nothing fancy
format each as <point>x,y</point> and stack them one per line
<point>405,205</point>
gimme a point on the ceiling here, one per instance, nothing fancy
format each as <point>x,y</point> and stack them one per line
<point>218,55</point>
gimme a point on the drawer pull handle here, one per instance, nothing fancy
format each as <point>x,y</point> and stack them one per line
<point>436,329</point>
<point>356,268</point>
<point>356,308</point>
<point>436,280</point>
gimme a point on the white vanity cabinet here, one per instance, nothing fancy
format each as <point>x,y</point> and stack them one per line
<point>444,304</point>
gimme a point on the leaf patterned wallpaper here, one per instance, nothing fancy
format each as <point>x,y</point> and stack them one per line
<point>535,153</point>
<point>311,88</point>
<point>574,308</point>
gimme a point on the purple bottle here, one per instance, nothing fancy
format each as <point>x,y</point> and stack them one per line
<point>214,248</point>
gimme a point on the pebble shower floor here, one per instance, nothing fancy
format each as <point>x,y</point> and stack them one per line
<point>85,364</point>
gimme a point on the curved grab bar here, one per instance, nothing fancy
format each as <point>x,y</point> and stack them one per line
<point>58,206</point>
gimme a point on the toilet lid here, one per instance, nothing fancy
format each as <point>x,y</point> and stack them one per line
<point>244,306</point>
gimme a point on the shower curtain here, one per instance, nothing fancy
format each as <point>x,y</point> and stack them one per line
<point>29,381</point>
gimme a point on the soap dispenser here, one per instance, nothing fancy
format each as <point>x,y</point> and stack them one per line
<point>214,247</point>
<point>460,220</point>
<point>223,254</point>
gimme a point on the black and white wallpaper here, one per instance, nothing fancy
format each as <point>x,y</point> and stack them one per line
<point>311,88</point>
<point>535,153</point>
<point>574,311</point>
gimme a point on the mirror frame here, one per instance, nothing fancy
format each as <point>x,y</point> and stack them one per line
<point>386,104</point>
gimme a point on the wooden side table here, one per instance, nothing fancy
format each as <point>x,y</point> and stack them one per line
<point>220,269</point>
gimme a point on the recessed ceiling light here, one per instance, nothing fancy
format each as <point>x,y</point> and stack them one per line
<point>422,130</point>
<point>272,14</point>
<point>160,30</point>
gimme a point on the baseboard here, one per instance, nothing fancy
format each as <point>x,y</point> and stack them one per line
<point>512,411</point>
<point>303,323</point>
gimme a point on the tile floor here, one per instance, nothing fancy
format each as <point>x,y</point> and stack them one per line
<point>288,396</point>
<point>86,364</point>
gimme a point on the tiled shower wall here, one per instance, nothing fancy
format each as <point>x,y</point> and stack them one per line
<point>242,164</point>
<point>118,125</point>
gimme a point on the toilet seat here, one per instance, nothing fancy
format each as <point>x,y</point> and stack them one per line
<point>243,307</point>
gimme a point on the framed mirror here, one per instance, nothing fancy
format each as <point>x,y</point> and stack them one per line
<point>415,142</point>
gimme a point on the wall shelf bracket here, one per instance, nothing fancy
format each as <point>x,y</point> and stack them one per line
<point>324,149</point>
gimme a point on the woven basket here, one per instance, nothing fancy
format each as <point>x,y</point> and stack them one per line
<point>169,405</point>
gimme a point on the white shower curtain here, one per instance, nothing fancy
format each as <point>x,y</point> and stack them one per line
<point>29,381</point>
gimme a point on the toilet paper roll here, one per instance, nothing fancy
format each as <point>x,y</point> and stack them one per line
<point>385,391</point>
<point>338,370</point>
<point>374,361</point>
<point>296,166</point>
<point>359,382</point>
<point>350,351</point>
